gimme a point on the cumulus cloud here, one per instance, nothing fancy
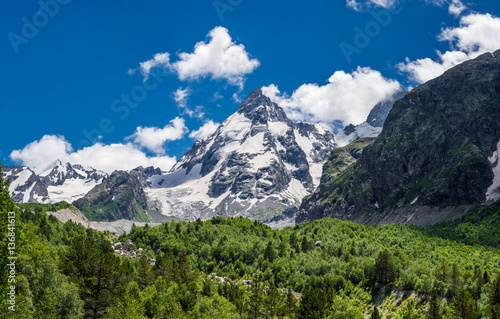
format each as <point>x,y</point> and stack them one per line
<point>219,58</point>
<point>39,154</point>
<point>347,97</point>
<point>208,128</point>
<point>423,70</point>
<point>477,34</point>
<point>153,138</point>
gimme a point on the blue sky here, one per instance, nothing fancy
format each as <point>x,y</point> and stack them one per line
<point>63,64</point>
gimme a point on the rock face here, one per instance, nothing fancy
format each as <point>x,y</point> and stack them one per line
<point>143,174</point>
<point>256,164</point>
<point>25,185</point>
<point>323,199</point>
<point>439,148</point>
<point>374,122</point>
<point>119,196</point>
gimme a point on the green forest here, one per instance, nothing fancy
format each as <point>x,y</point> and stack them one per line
<point>238,268</point>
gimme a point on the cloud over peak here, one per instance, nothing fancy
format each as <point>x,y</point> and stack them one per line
<point>347,97</point>
<point>39,154</point>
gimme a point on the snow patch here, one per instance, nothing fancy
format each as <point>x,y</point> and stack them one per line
<point>493,192</point>
<point>362,130</point>
<point>22,178</point>
<point>71,190</point>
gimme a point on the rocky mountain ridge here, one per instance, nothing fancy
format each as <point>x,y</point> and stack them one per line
<point>60,182</point>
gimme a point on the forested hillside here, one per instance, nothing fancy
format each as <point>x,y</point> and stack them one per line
<point>237,268</point>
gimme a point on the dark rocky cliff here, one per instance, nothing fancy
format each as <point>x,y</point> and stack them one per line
<point>434,151</point>
<point>119,196</point>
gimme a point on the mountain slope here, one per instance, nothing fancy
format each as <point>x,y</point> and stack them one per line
<point>256,164</point>
<point>438,151</point>
<point>25,185</point>
<point>60,182</point>
<point>119,196</point>
<point>69,182</point>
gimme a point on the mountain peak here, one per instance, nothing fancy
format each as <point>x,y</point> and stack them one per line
<point>260,109</point>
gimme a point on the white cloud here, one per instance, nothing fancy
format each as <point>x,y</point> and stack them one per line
<point>456,8</point>
<point>477,34</point>
<point>181,96</point>
<point>208,128</point>
<point>38,155</point>
<point>153,138</point>
<point>362,5</point>
<point>217,96</point>
<point>423,70</point>
<point>347,97</point>
<point>158,60</point>
<point>236,98</point>
<point>219,58</point>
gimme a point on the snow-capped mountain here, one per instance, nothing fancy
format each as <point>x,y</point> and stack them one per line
<point>374,122</point>
<point>256,164</point>
<point>25,185</point>
<point>60,182</point>
<point>70,182</point>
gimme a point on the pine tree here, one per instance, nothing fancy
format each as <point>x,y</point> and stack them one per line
<point>375,313</point>
<point>256,298</point>
<point>314,304</point>
<point>273,300</point>
<point>269,252</point>
<point>464,306</point>
<point>92,262</point>
<point>385,270</point>
<point>185,275</point>
<point>290,304</point>
<point>495,299</point>
<point>306,245</point>
<point>442,271</point>
<point>434,307</point>
<point>164,266</point>
<point>207,287</point>
<point>145,273</point>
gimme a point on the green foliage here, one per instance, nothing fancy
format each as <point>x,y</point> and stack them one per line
<point>43,208</point>
<point>464,306</point>
<point>434,307</point>
<point>494,303</point>
<point>237,268</point>
<point>385,270</point>
<point>375,313</point>
<point>479,227</point>
<point>92,264</point>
